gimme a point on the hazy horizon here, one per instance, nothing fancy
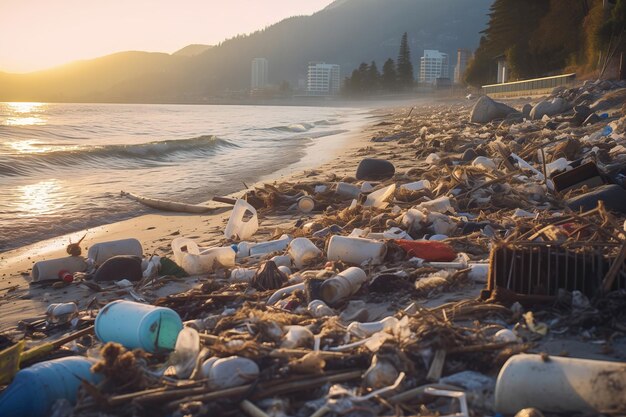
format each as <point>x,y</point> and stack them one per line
<point>38,35</point>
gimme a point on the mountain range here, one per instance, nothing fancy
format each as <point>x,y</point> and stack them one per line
<point>347,32</point>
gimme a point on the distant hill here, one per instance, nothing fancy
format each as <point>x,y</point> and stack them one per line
<point>347,32</point>
<point>192,50</point>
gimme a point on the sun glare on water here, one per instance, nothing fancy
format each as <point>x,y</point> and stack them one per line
<point>21,114</point>
<point>37,199</point>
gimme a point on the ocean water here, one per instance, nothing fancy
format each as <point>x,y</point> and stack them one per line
<point>62,166</point>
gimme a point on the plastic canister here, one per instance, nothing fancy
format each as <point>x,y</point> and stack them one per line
<point>229,372</point>
<point>303,251</point>
<point>100,252</point>
<point>49,270</point>
<point>35,389</point>
<point>355,250</point>
<point>560,385</point>
<point>342,285</point>
<point>136,325</point>
<point>347,190</point>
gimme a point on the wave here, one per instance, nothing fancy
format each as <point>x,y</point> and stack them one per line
<point>150,153</point>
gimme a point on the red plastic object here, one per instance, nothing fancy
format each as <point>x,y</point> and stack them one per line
<point>66,276</point>
<point>429,250</point>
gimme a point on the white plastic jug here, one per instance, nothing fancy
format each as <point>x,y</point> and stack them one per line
<point>236,228</point>
<point>208,260</point>
<point>303,251</point>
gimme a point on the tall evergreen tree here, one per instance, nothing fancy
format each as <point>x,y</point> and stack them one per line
<point>405,68</point>
<point>373,77</point>
<point>389,78</point>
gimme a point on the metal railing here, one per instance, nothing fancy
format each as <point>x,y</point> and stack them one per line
<point>529,87</point>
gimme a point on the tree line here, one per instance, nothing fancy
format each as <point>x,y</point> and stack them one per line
<point>547,37</point>
<point>367,79</point>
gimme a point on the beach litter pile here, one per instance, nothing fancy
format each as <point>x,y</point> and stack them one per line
<point>470,239</point>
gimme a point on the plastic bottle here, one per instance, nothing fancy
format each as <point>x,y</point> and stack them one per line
<point>277,245</point>
<point>242,274</point>
<point>605,131</point>
<point>100,252</point>
<point>342,285</point>
<point>306,204</point>
<point>50,269</point>
<point>136,325</point>
<point>439,205</point>
<point>61,312</point>
<point>35,389</point>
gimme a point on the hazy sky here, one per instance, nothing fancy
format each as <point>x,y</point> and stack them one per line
<point>38,34</point>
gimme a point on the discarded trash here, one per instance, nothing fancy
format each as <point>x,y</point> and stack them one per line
<point>120,267</point>
<point>379,198</point>
<point>237,228</point>
<point>303,252</point>
<point>342,285</point>
<point>428,250</point>
<point>297,336</point>
<point>102,251</point>
<point>347,190</point>
<point>61,312</point>
<point>306,204</point>
<point>50,269</point>
<point>229,372</point>
<point>35,389</point>
<point>136,325</point>
<point>355,250</point>
<point>560,385</point>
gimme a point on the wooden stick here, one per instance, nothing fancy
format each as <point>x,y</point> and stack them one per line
<point>252,410</point>
<point>225,200</point>
<point>321,412</point>
<point>610,276</point>
<point>281,353</point>
<point>436,367</point>
<point>267,391</point>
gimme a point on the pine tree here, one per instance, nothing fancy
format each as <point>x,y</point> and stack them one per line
<point>389,79</point>
<point>373,78</point>
<point>405,68</point>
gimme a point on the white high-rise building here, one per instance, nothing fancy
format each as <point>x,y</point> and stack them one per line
<point>259,73</point>
<point>433,65</point>
<point>323,79</point>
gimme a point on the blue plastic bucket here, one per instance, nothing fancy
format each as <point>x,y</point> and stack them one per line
<point>135,325</point>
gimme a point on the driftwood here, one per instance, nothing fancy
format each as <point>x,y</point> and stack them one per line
<point>168,205</point>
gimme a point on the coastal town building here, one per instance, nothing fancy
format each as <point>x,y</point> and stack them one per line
<point>259,73</point>
<point>433,65</point>
<point>462,58</point>
<point>323,79</point>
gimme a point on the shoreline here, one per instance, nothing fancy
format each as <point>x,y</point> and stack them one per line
<point>19,299</point>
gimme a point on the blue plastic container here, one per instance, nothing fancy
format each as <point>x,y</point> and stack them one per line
<point>135,325</point>
<point>34,390</point>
